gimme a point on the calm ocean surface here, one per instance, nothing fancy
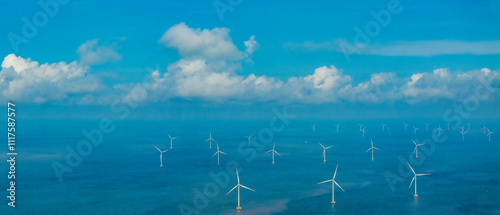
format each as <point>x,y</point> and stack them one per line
<point>122,175</point>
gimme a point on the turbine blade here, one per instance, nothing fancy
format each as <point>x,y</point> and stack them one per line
<point>321,145</point>
<point>232,189</point>
<point>338,186</point>
<point>414,142</point>
<point>269,151</point>
<point>368,149</point>
<point>411,168</point>
<point>328,147</point>
<point>376,148</point>
<point>423,174</point>
<point>247,188</point>
<point>215,153</point>
<point>157,148</point>
<point>412,181</point>
<point>277,153</point>
<point>325,181</point>
<point>223,153</point>
<point>335,174</point>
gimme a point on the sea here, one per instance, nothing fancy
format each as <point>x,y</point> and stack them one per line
<point>121,174</point>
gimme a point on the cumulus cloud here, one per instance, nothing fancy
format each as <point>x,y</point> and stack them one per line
<point>207,43</point>
<point>91,53</point>
<point>209,65</point>
<point>29,81</point>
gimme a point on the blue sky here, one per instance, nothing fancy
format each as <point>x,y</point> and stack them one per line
<point>296,48</point>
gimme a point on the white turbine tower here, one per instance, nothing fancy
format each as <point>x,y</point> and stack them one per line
<point>383,127</point>
<point>415,179</point>
<point>360,127</point>
<point>210,139</point>
<point>249,138</point>
<point>363,131</point>
<point>416,148</point>
<point>489,135</point>
<point>171,138</point>
<point>406,125</point>
<point>415,130</point>
<point>161,155</point>
<point>314,127</point>
<point>439,129</point>
<point>337,127</point>
<point>273,151</point>
<point>463,132</point>
<point>218,153</point>
<point>372,148</point>
<point>427,126</point>
<point>238,186</point>
<point>448,124</point>
<point>324,151</point>
<point>333,185</point>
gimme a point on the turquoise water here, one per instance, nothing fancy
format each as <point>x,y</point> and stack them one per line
<point>122,175</point>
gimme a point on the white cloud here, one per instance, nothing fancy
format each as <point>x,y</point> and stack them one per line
<point>251,45</point>
<point>28,81</point>
<point>206,43</point>
<point>91,53</point>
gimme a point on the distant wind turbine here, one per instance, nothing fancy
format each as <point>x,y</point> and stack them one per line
<point>439,129</point>
<point>273,151</point>
<point>489,135</point>
<point>416,148</point>
<point>463,132</point>
<point>363,131</point>
<point>383,127</point>
<point>238,186</point>
<point>337,127</point>
<point>406,125</point>
<point>415,130</point>
<point>161,155</point>
<point>427,126</point>
<point>249,138</point>
<point>314,127</point>
<point>360,127</point>
<point>415,179</point>
<point>171,138</point>
<point>218,152</point>
<point>324,151</point>
<point>372,148</point>
<point>210,139</point>
<point>484,129</point>
<point>333,185</point>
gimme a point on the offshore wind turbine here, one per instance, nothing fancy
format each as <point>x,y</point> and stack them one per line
<point>439,129</point>
<point>416,148</point>
<point>360,127</point>
<point>463,132</point>
<point>171,138</point>
<point>415,129</point>
<point>249,138</point>
<point>363,131</point>
<point>333,185</point>
<point>484,129</point>
<point>273,151</point>
<point>406,125</point>
<point>448,124</point>
<point>415,179</point>
<point>238,186</point>
<point>324,151</point>
<point>161,155</point>
<point>337,127</point>
<point>427,126</point>
<point>218,153</point>
<point>372,148</point>
<point>314,127</point>
<point>210,139</point>
<point>489,135</point>
<point>383,127</point>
